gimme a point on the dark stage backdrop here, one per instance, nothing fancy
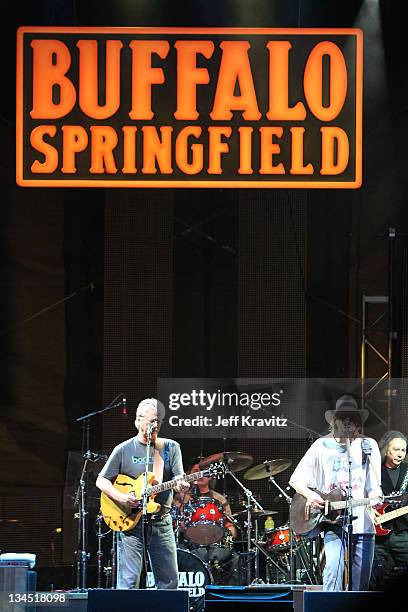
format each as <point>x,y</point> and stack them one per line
<point>182,295</point>
<point>272,311</point>
<point>203,284</point>
<point>138,301</point>
<point>33,430</point>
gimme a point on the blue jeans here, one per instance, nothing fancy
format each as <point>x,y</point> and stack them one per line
<point>161,547</point>
<point>363,553</point>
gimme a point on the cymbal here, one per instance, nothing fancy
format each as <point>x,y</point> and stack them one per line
<point>267,468</point>
<point>236,461</point>
<point>256,511</point>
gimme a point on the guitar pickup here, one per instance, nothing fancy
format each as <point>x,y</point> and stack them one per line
<point>326,507</point>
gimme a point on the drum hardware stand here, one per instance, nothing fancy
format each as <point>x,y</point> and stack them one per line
<point>257,579</point>
<point>293,547</point>
<point>177,530</point>
<point>251,502</point>
<point>81,497</point>
<point>82,553</point>
<point>100,554</point>
<point>111,570</point>
<point>298,551</point>
<point>268,556</point>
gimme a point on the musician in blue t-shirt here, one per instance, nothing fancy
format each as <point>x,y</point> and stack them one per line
<point>129,458</point>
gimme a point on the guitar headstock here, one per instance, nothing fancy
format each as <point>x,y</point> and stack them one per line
<point>216,470</point>
<point>396,498</point>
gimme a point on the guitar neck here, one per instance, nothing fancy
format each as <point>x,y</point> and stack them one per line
<point>341,505</point>
<point>391,515</point>
<point>171,484</point>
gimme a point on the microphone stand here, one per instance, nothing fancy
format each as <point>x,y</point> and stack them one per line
<point>81,494</point>
<point>350,518</point>
<point>145,499</point>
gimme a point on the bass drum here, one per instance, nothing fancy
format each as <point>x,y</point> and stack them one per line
<point>194,576</point>
<point>223,562</point>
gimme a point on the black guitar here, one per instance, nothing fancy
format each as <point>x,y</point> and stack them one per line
<point>309,521</point>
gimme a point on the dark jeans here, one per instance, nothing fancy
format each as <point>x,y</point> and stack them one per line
<point>392,548</point>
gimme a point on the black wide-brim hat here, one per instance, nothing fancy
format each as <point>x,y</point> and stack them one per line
<point>346,404</point>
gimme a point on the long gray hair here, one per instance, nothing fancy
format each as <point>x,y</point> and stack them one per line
<point>386,439</point>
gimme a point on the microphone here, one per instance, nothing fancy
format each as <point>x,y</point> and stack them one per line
<point>91,456</point>
<point>151,428</point>
<point>124,409</point>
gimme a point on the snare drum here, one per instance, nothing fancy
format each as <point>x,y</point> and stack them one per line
<point>204,521</point>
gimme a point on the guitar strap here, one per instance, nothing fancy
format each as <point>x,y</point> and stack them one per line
<point>404,484</point>
<point>158,465</point>
<point>366,450</point>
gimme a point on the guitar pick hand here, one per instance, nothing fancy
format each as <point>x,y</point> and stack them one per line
<point>315,501</point>
<point>128,499</point>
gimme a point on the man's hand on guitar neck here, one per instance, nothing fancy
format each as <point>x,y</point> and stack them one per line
<point>182,485</point>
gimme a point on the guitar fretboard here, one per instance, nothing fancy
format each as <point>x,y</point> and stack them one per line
<point>170,484</point>
<point>341,505</point>
<point>391,515</point>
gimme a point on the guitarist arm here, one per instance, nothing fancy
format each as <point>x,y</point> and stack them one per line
<point>105,485</point>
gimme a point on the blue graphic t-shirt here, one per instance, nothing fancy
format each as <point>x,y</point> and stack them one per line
<point>129,458</point>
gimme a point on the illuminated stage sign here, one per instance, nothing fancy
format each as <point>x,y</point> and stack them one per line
<point>189,107</point>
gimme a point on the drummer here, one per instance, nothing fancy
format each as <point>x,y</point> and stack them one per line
<point>204,487</point>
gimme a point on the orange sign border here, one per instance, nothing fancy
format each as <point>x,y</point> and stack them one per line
<point>188,183</point>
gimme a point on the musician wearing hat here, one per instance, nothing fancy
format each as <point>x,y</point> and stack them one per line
<point>325,467</point>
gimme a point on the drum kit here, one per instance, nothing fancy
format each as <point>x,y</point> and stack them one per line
<point>239,548</point>
<point>209,554</point>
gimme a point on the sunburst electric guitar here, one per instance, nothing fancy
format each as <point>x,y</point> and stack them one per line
<point>122,518</point>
